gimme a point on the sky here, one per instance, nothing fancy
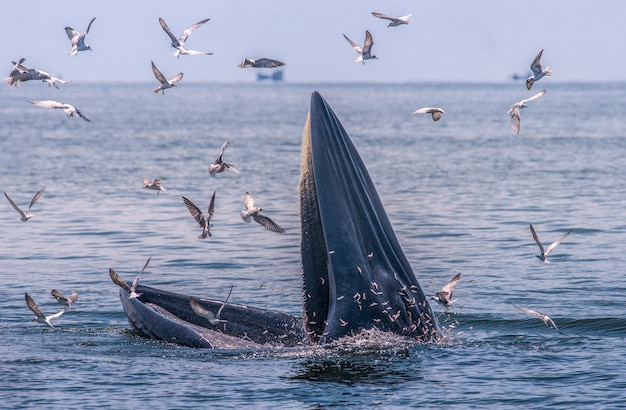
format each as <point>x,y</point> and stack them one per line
<point>447,40</point>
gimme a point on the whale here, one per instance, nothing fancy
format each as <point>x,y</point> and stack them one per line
<point>355,276</point>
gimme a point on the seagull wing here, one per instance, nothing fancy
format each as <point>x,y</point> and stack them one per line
<point>17,208</point>
<point>268,223</point>
<point>369,42</point>
<point>59,297</point>
<point>73,297</point>
<point>534,97</point>
<point>175,79</point>
<point>190,29</point>
<point>536,64</point>
<point>36,197</point>
<point>354,45</point>
<point>528,311</point>
<point>72,34</point>
<point>118,281</point>
<point>167,30</point>
<point>449,287</point>
<point>382,16</point>
<point>195,212</point>
<point>89,26</point>
<point>218,160</point>
<point>557,242</point>
<point>268,63</point>
<point>200,310</point>
<point>33,306</point>
<point>49,104</point>
<point>159,76</point>
<point>248,201</point>
<point>536,238</point>
<point>211,210</point>
<point>56,315</point>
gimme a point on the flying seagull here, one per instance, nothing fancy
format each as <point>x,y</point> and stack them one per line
<point>197,214</point>
<point>70,110</point>
<point>260,63</point>
<point>252,212</point>
<point>77,39</point>
<point>25,216</point>
<point>121,283</point>
<point>19,73</point>
<point>40,317</point>
<point>395,21</point>
<point>154,185</point>
<point>219,165</point>
<point>365,53</point>
<point>214,318</point>
<point>514,110</point>
<point>65,301</point>
<point>544,254</point>
<point>544,318</point>
<point>179,44</point>
<point>538,72</point>
<point>444,296</point>
<point>165,84</point>
<point>435,111</point>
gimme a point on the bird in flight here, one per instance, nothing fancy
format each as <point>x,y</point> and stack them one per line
<point>260,63</point>
<point>25,216</point>
<point>543,257</point>
<point>434,111</point>
<point>196,213</point>
<point>252,212</point>
<point>219,165</point>
<point>39,316</point>
<point>65,301</point>
<point>132,289</point>
<point>538,71</point>
<point>165,84</point>
<point>154,185</point>
<point>444,296</point>
<point>179,43</point>
<point>77,39</point>
<point>544,318</point>
<point>365,52</point>
<point>394,21</point>
<point>70,110</point>
<point>514,110</point>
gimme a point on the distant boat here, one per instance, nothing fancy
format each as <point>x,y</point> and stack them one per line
<point>517,76</point>
<point>274,76</point>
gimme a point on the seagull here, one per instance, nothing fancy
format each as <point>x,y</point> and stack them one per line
<point>444,296</point>
<point>197,214</point>
<point>179,44</point>
<point>395,21</point>
<point>544,254</point>
<point>155,185</point>
<point>165,84</point>
<point>214,318</point>
<point>252,212</point>
<point>435,111</point>
<point>260,63</point>
<point>77,39</point>
<point>121,283</point>
<point>19,73</point>
<point>71,110</point>
<point>65,301</point>
<point>41,318</point>
<point>25,216</point>
<point>514,110</point>
<point>364,53</point>
<point>221,166</point>
<point>538,72</point>
<point>544,318</point>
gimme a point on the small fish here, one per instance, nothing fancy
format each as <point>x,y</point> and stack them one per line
<point>25,216</point>
<point>544,254</point>
<point>40,317</point>
<point>544,318</point>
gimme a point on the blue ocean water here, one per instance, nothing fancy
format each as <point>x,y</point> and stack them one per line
<point>460,193</point>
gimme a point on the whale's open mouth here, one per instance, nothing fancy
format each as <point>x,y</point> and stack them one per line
<point>355,275</point>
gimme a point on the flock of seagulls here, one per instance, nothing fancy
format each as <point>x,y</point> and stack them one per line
<point>20,73</point>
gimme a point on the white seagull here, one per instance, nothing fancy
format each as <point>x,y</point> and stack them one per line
<point>514,110</point>
<point>395,21</point>
<point>260,63</point>
<point>25,216</point>
<point>544,254</point>
<point>132,289</point>
<point>365,52</point>
<point>252,212</point>
<point>214,318</point>
<point>165,84</point>
<point>40,317</point>
<point>179,43</point>
<point>434,111</point>
<point>219,165</point>
<point>197,214</point>
<point>65,301</point>
<point>544,318</point>
<point>154,185</point>
<point>19,73</point>
<point>538,72</point>
<point>77,39</point>
<point>444,296</point>
<point>70,110</point>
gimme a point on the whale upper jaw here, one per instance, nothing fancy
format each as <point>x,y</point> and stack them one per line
<point>355,274</point>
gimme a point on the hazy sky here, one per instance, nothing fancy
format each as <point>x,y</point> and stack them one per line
<point>447,40</point>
